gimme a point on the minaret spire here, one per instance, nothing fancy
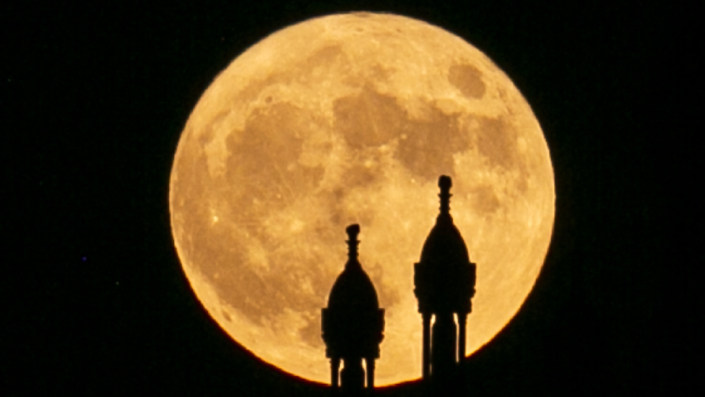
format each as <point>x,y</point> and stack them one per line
<point>353,242</point>
<point>445,183</point>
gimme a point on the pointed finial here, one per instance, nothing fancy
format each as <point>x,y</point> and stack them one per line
<point>352,231</point>
<point>445,183</point>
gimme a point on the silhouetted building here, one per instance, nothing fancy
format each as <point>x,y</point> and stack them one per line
<point>353,324</point>
<point>444,282</point>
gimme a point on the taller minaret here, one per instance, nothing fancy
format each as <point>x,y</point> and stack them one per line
<point>444,281</point>
<point>352,324</point>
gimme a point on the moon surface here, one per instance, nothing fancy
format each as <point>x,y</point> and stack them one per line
<point>346,119</point>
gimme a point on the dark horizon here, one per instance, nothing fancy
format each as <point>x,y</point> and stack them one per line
<point>97,98</point>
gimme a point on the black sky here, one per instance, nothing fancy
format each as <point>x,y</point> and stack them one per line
<point>95,97</point>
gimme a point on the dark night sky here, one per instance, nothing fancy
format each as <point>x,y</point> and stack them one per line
<point>96,98</point>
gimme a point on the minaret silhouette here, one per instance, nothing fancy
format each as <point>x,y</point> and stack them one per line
<point>353,324</point>
<point>444,282</point>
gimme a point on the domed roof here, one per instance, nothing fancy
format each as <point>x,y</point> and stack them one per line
<point>353,290</point>
<point>444,243</point>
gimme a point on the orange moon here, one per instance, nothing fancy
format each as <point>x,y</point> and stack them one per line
<point>346,119</point>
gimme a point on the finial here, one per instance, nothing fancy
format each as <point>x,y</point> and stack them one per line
<point>352,231</point>
<point>445,183</point>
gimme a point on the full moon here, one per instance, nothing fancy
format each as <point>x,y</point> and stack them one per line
<point>347,119</point>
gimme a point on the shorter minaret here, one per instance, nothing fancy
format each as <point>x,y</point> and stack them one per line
<point>352,324</point>
<point>444,281</point>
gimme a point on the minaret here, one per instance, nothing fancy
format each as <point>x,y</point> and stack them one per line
<point>444,281</point>
<point>353,324</point>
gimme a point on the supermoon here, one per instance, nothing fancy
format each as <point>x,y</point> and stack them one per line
<point>351,119</point>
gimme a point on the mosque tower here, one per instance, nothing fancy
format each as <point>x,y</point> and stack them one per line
<point>444,281</point>
<point>352,324</point>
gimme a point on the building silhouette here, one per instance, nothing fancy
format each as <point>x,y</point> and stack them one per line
<point>352,324</point>
<point>444,281</point>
